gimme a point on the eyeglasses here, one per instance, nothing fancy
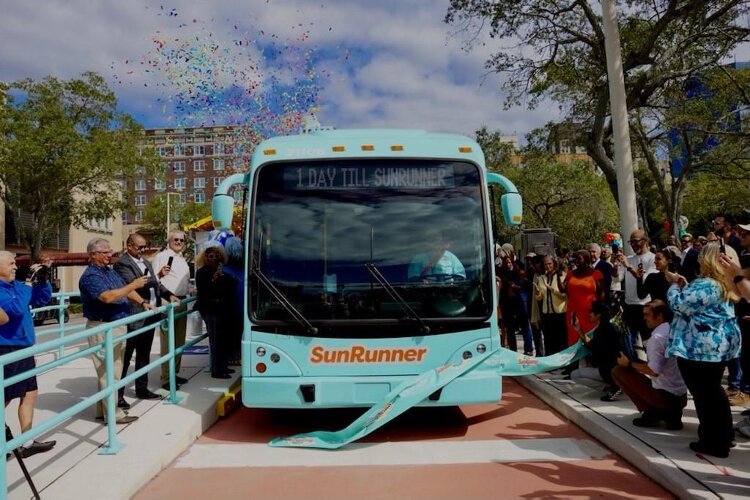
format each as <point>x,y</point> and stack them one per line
<point>178,240</point>
<point>140,247</point>
<point>104,252</point>
<point>635,242</point>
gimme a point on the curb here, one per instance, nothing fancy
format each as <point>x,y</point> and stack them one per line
<point>647,459</point>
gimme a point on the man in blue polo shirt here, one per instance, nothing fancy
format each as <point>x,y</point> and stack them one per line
<point>104,296</point>
<point>17,332</point>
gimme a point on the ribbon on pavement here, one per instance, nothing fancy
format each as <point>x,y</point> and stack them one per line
<point>413,391</point>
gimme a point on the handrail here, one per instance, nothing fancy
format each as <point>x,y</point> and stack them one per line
<point>75,339</point>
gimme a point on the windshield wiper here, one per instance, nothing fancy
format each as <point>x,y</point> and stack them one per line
<point>375,272</point>
<point>288,306</point>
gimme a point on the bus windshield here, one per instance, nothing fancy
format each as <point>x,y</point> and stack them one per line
<point>322,230</point>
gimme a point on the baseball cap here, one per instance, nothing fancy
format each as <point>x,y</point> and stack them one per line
<point>744,227</point>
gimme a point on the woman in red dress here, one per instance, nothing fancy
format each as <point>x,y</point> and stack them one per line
<point>583,285</point>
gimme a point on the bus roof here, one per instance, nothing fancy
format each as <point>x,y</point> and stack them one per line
<point>368,143</point>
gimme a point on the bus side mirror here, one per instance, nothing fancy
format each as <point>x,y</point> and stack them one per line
<point>512,206</point>
<point>222,211</point>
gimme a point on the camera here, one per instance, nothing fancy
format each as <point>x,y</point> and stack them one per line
<point>39,274</point>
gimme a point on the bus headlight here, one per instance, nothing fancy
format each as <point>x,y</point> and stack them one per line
<point>481,348</point>
<point>260,351</point>
<point>275,358</point>
<point>467,355</point>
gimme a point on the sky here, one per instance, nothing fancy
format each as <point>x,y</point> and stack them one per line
<point>358,63</point>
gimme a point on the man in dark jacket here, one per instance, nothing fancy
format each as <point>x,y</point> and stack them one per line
<point>130,266</point>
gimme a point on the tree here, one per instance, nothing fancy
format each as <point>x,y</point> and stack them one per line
<point>65,146</point>
<point>555,50</point>
<point>155,215</point>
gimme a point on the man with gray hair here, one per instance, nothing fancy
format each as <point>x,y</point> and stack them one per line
<point>174,273</point>
<point>104,296</point>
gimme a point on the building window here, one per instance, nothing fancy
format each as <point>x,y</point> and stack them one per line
<point>199,197</point>
<point>238,163</point>
<point>179,150</point>
<point>217,181</point>
<point>182,199</point>
<point>160,185</point>
<point>199,166</point>
<point>237,195</point>
<point>179,183</point>
<point>139,216</point>
<point>140,200</point>
<point>199,150</point>
<point>140,185</point>
<point>199,182</point>
<point>178,166</point>
<point>219,148</point>
<point>218,164</point>
<point>161,151</point>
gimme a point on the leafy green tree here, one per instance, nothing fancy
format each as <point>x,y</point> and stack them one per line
<point>569,198</point>
<point>64,148</point>
<point>554,49</point>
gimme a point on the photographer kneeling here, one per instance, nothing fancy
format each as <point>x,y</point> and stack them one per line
<point>656,387</point>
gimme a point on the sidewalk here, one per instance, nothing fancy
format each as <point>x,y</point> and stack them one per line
<point>75,470</point>
<point>660,454</point>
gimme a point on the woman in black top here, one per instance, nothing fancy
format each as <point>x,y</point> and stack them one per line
<point>215,302</point>
<point>656,284</point>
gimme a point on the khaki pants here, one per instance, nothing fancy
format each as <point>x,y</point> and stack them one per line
<point>100,367</point>
<point>180,329</point>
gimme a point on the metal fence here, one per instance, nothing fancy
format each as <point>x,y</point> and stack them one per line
<point>71,343</point>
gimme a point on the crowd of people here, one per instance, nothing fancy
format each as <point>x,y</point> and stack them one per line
<point>660,323</point>
<point>116,285</point>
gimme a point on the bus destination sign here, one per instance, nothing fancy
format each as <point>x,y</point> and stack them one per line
<point>339,177</point>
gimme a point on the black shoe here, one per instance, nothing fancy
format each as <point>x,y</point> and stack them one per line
<point>147,395</point>
<point>181,380</point>
<point>166,386</point>
<point>36,447</point>
<point>699,447</point>
<point>647,420</point>
<point>230,371</point>
<point>746,412</point>
<point>121,403</point>
<point>221,375</point>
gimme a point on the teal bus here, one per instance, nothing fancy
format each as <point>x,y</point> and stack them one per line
<point>369,260</point>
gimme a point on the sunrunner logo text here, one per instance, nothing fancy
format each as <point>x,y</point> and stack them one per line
<point>362,354</point>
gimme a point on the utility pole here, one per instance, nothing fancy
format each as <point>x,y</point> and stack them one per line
<point>621,129</point>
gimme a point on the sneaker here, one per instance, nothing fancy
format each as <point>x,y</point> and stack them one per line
<point>731,392</point>
<point>740,399</point>
<point>37,447</point>
<point>611,394</point>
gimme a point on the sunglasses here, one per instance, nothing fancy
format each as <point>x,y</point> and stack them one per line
<point>634,242</point>
<point>141,247</point>
<point>178,240</point>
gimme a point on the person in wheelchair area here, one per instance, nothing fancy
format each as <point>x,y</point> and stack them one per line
<point>437,263</point>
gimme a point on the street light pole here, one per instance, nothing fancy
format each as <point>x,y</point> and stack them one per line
<point>621,129</point>
<point>169,220</point>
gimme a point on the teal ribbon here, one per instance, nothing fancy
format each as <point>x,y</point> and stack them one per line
<point>413,391</point>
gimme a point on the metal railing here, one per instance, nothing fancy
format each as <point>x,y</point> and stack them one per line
<point>78,347</point>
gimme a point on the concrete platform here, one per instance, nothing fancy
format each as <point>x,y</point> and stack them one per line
<point>660,454</point>
<point>74,469</point>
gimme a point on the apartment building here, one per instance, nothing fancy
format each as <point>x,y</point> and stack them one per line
<point>194,161</point>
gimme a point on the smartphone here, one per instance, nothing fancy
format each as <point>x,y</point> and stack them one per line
<point>722,248</point>
<point>145,272</point>
<point>573,318</point>
<point>169,262</point>
<point>615,249</point>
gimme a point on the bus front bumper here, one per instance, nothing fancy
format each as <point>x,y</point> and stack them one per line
<point>477,386</point>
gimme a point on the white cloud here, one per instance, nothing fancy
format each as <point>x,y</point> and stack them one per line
<point>407,68</point>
